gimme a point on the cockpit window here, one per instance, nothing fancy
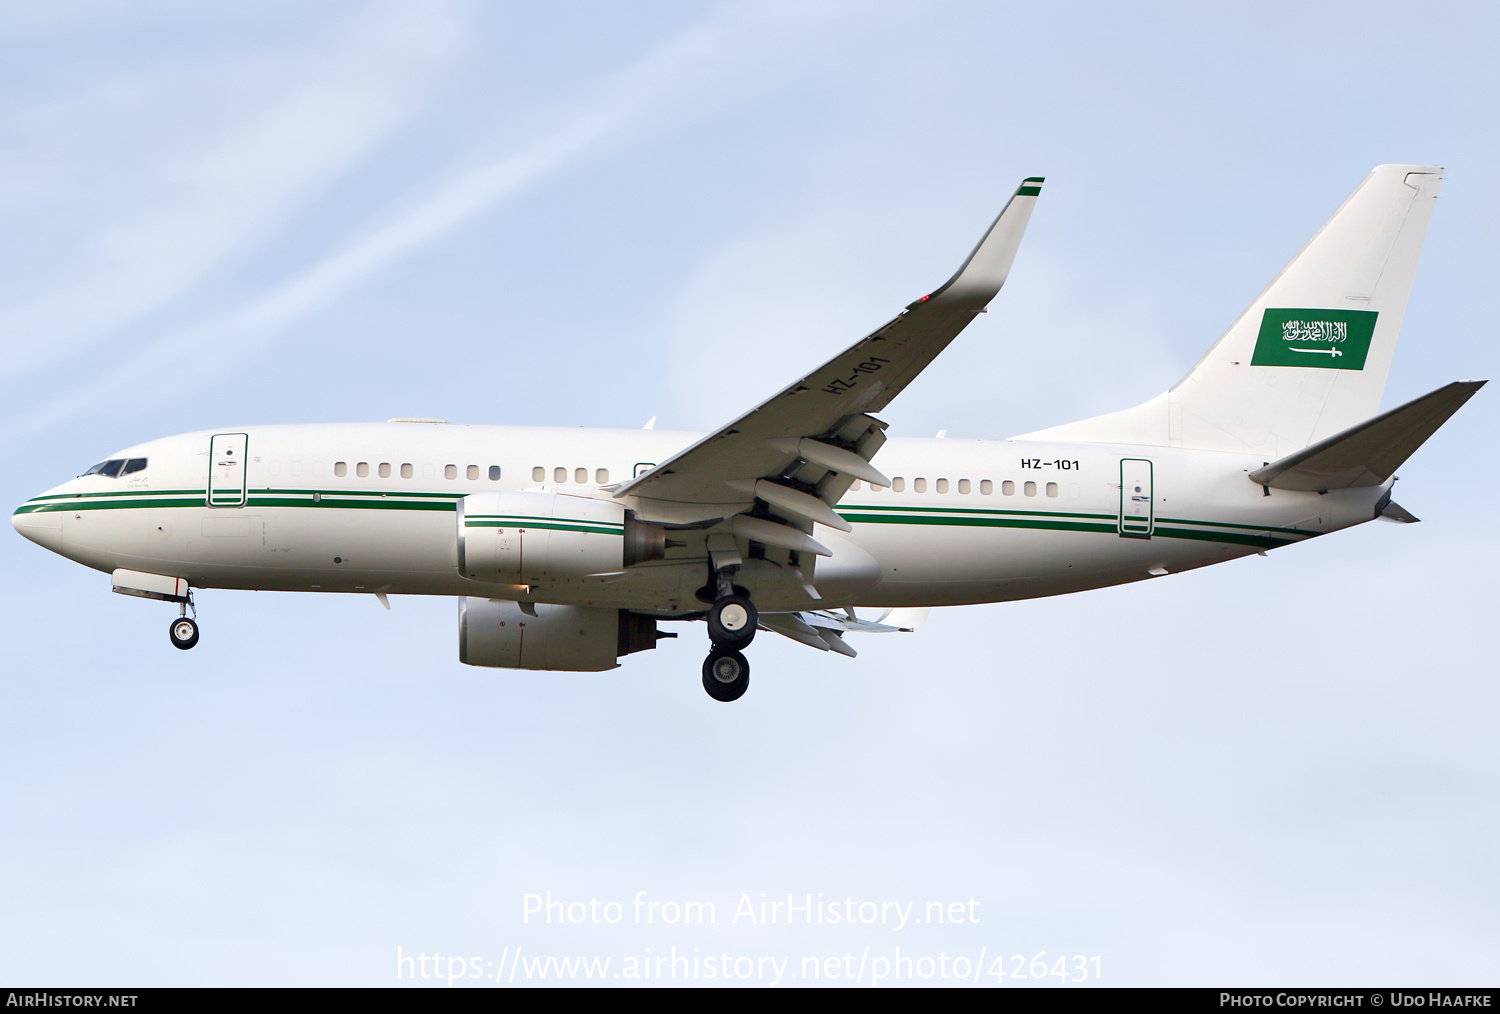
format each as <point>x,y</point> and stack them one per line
<point>115,467</point>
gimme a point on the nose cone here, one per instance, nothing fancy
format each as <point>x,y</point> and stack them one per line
<point>42,526</point>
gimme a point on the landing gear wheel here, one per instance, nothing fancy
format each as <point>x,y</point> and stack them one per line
<point>731,622</point>
<point>184,633</point>
<point>726,675</point>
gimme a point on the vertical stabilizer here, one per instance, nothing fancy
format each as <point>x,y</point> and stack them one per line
<point>1311,355</point>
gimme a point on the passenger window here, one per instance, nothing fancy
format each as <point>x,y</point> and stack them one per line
<point>986,487</point>
<point>340,468</point>
<point>1029,489</point>
<point>494,473</point>
<point>1051,489</point>
<point>963,485</point>
<point>942,485</point>
<point>362,469</point>
<point>601,476</point>
<point>919,485</point>
<point>559,475</point>
<point>1008,488</point>
<point>133,465</point>
<point>855,486</point>
<point>472,471</point>
<point>450,471</point>
<point>898,484</point>
<point>581,475</point>
<point>385,469</point>
<point>538,474</point>
<point>406,470</point>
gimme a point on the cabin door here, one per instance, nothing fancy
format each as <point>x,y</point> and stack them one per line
<point>1137,512</point>
<point>226,469</point>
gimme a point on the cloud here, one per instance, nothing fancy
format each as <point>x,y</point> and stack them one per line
<point>666,81</point>
<point>214,160</point>
<point>692,73</point>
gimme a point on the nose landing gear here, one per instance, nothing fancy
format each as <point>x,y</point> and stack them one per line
<point>184,633</point>
<point>184,629</point>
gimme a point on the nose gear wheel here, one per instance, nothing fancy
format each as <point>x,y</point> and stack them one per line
<point>184,632</point>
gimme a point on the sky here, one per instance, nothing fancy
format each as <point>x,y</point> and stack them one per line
<point>1279,771</point>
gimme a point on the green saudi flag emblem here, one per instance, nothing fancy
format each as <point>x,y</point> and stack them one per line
<point>1321,339</point>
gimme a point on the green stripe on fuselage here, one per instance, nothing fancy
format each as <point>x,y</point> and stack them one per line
<point>879,513</point>
<point>1040,521</point>
<point>973,517</point>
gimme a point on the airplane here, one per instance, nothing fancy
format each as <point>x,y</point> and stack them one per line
<point>567,549</point>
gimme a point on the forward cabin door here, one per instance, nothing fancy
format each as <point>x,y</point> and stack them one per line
<point>1137,513</point>
<point>226,469</point>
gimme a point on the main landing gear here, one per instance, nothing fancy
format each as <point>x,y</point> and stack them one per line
<point>184,629</point>
<point>726,675</point>
<point>732,622</point>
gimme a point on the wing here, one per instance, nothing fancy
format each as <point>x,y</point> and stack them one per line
<point>800,450</point>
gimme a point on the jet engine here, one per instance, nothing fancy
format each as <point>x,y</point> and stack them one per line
<point>508,635</point>
<point>532,538</point>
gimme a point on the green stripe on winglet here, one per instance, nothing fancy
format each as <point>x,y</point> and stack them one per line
<point>1029,192</point>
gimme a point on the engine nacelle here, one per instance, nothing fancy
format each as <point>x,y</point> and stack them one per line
<point>500,634</point>
<point>532,538</point>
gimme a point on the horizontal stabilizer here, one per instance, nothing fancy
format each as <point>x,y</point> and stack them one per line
<point>1393,511</point>
<point>828,619</point>
<point>791,625</point>
<point>907,620</point>
<point>824,629</point>
<point>1368,454</point>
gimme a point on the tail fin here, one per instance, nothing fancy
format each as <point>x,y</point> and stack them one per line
<point>1310,357</point>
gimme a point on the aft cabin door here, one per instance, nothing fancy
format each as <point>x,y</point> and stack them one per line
<point>226,469</point>
<point>1137,514</point>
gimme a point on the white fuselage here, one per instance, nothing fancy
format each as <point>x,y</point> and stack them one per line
<point>970,520</point>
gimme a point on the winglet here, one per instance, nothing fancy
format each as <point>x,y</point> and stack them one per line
<point>984,271</point>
